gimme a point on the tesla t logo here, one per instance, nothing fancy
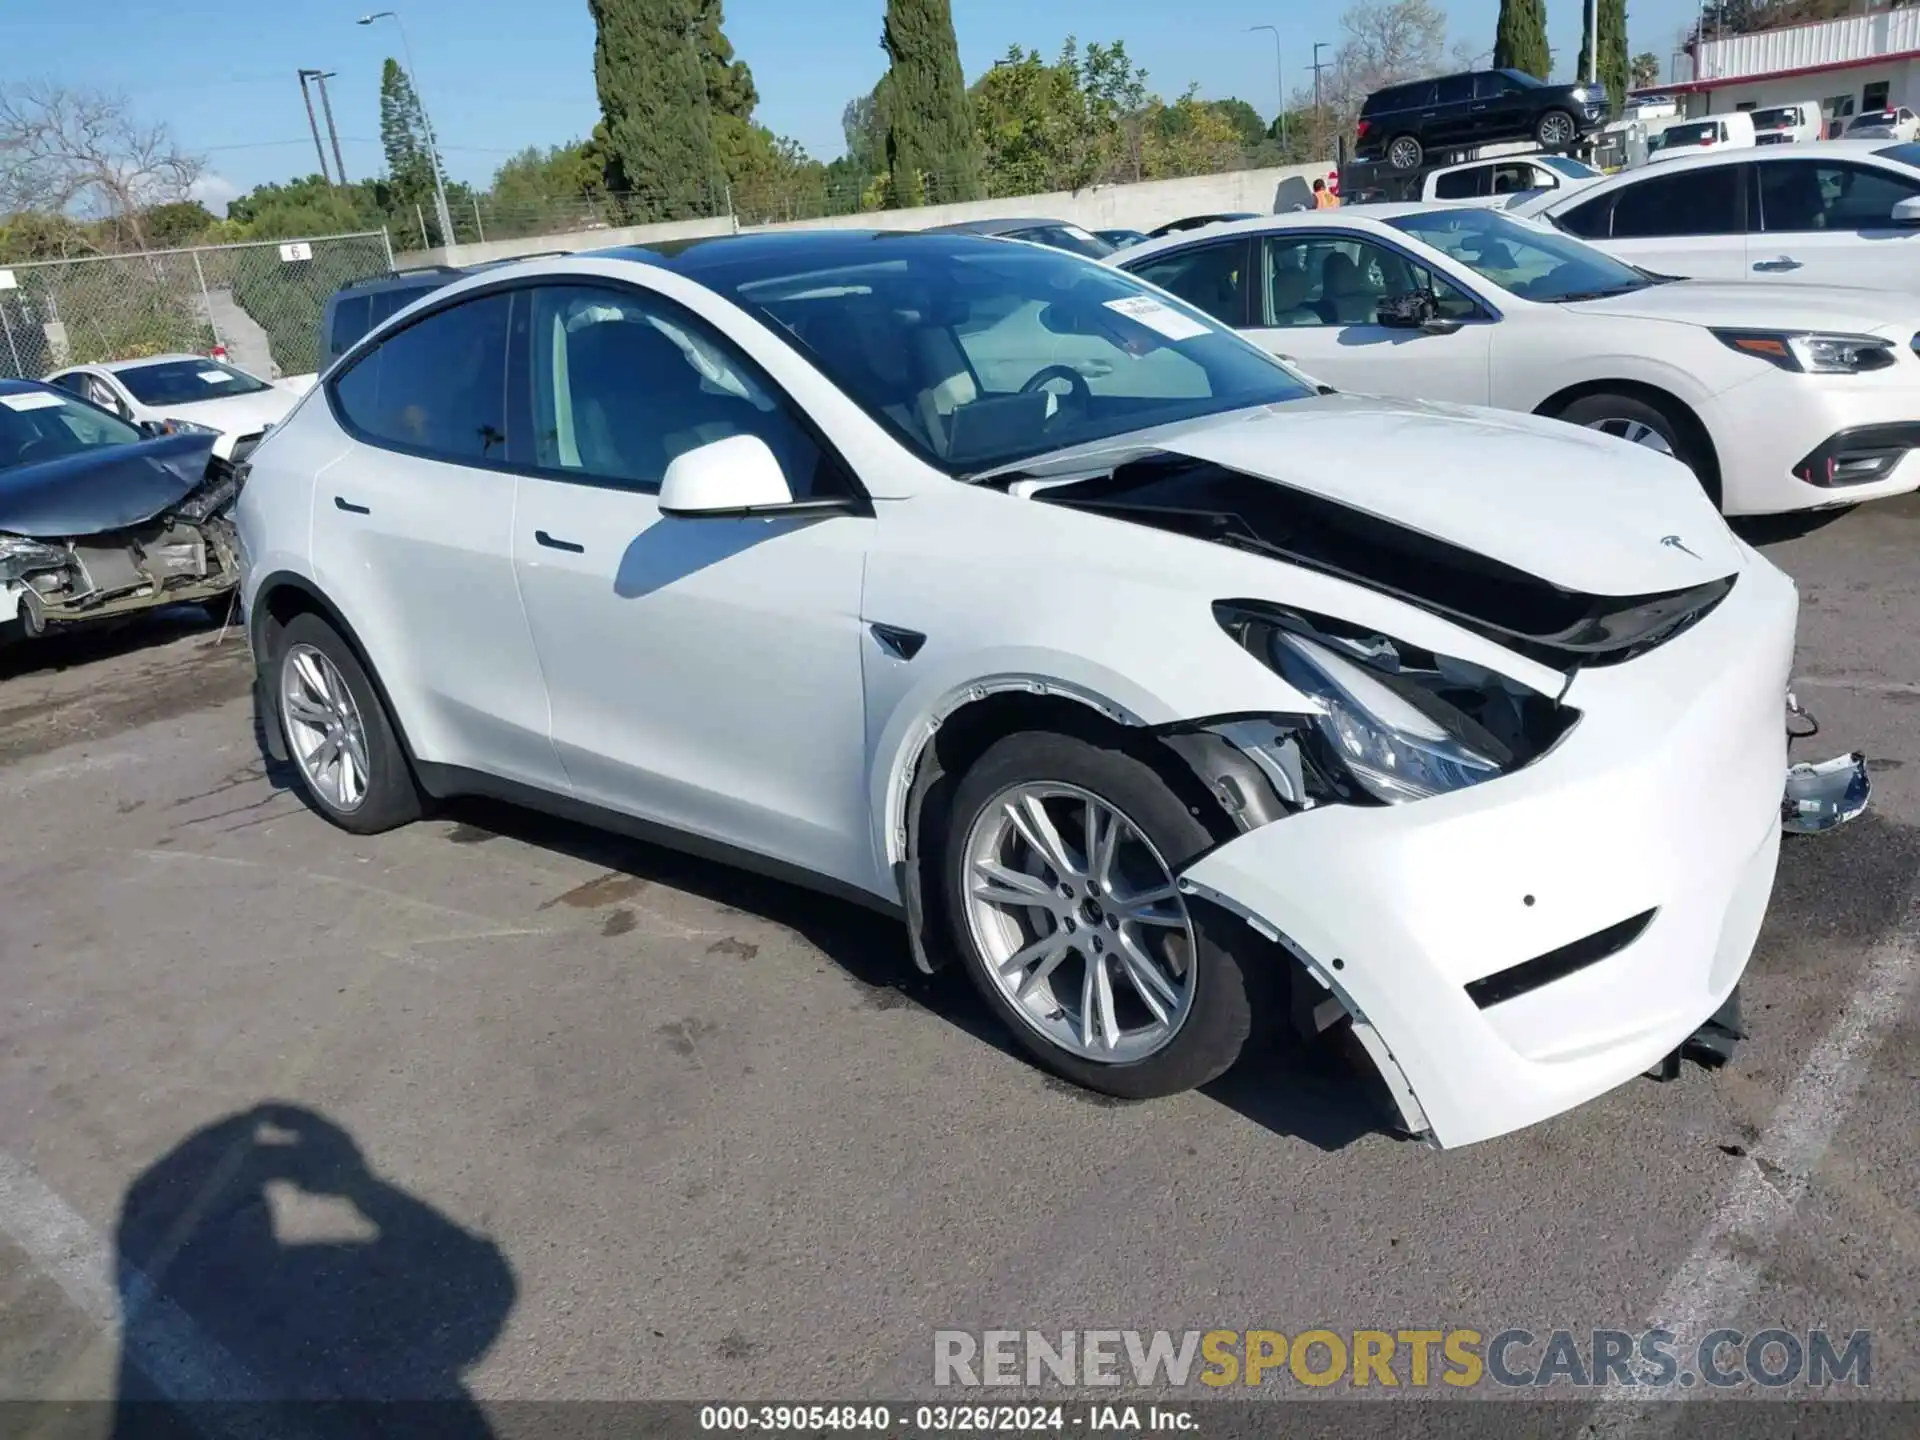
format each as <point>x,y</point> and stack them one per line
<point>1674,542</point>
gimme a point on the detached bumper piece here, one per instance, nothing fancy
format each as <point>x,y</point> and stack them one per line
<point>1709,1047</point>
<point>1823,796</point>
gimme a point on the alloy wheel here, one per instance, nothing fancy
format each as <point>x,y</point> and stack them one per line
<point>324,729</point>
<point>1404,154</point>
<point>1634,431</point>
<point>1079,921</point>
<point>1556,130</point>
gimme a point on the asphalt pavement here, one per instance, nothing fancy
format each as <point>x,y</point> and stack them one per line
<point>500,1107</point>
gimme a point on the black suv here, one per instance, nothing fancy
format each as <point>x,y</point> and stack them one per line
<point>359,305</point>
<point>1405,124</point>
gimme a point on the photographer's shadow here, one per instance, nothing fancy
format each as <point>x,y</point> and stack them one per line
<point>262,1263</point>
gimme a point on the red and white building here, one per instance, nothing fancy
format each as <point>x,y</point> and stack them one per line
<point>1851,65</point>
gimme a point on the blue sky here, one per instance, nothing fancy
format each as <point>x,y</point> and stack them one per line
<point>500,74</point>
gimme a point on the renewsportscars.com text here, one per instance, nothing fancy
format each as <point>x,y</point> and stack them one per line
<point>1445,1358</point>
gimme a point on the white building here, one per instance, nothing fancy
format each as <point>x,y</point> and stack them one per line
<point>1851,65</point>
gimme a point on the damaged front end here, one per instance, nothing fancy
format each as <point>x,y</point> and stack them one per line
<point>92,555</point>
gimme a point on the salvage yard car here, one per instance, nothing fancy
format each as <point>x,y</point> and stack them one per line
<point>99,518</point>
<point>182,392</point>
<point>1777,397</point>
<point>990,586</point>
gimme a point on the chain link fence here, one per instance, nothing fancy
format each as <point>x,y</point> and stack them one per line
<point>261,301</point>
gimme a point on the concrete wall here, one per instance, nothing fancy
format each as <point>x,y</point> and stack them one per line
<point>1141,206</point>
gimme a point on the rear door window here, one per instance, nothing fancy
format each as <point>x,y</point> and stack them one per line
<point>1453,90</point>
<point>1461,184</point>
<point>436,387</point>
<point>1689,202</point>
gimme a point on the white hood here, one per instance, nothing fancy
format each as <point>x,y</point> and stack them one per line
<point>1763,305</point>
<point>237,414</point>
<point>1581,510</point>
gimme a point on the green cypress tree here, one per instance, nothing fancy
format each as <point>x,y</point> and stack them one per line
<point>1520,40</point>
<point>1614,73</point>
<point>403,135</point>
<point>933,151</point>
<point>652,81</point>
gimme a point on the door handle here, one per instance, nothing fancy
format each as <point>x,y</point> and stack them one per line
<point>340,502</point>
<point>554,544</point>
<point>1783,263</point>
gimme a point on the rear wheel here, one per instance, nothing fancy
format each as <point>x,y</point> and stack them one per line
<point>350,761</point>
<point>1060,865</point>
<point>1405,153</point>
<point>1629,418</point>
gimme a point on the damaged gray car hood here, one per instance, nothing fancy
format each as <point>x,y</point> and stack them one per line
<point>106,489</point>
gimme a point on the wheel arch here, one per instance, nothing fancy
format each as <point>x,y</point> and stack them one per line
<point>277,600</point>
<point>958,731</point>
<point>1683,415</point>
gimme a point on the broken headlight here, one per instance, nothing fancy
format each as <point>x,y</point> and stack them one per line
<point>20,557</point>
<point>208,498</point>
<point>1399,722</point>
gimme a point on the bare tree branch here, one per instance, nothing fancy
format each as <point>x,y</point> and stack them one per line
<point>84,155</point>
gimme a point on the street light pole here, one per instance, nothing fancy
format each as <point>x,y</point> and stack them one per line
<point>1279,81</point>
<point>1593,42</point>
<point>433,147</point>
<point>314,126</point>
<point>1318,46</point>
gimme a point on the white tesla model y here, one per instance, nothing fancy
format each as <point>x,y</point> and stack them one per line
<point>983,582</point>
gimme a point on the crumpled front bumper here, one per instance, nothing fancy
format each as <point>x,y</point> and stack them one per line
<point>1515,949</point>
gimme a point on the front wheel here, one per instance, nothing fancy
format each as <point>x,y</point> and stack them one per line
<point>1555,130</point>
<point>1060,866</point>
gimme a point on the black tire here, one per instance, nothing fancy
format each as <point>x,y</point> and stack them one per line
<point>1556,120</point>
<point>392,795</point>
<point>1220,1019</point>
<point>1405,153</point>
<point>1614,413</point>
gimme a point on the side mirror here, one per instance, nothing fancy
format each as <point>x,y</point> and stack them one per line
<point>1907,211</point>
<point>734,476</point>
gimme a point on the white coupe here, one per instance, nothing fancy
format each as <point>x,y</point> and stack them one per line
<point>1777,397</point>
<point>988,586</point>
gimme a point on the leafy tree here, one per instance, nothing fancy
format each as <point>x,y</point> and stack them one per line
<point>730,88</point>
<point>1188,137</point>
<point>1520,38</point>
<point>1643,71</point>
<point>932,150</point>
<point>311,206</point>
<point>652,82</point>
<point>1613,46</point>
<point>1244,119</point>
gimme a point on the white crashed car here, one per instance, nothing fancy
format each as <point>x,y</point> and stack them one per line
<point>981,583</point>
<point>183,392</point>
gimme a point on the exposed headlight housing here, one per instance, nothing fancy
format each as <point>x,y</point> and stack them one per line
<point>20,557</point>
<point>1810,353</point>
<point>172,426</point>
<point>1395,722</point>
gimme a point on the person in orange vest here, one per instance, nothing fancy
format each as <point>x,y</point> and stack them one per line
<point>1323,198</point>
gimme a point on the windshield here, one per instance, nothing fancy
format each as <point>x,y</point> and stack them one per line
<point>1676,136</point>
<point>41,425</point>
<point>1530,261</point>
<point>1070,238</point>
<point>1572,169</point>
<point>978,354</point>
<point>1780,116</point>
<point>183,382</point>
<point>1872,117</point>
<point>1907,154</point>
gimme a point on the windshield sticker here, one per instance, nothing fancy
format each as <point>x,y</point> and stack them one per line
<point>1162,319</point>
<point>214,377</point>
<point>32,400</point>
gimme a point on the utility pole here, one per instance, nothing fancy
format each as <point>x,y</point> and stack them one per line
<point>1318,46</point>
<point>1279,81</point>
<point>320,79</point>
<point>1593,41</point>
<point>314,126</point>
